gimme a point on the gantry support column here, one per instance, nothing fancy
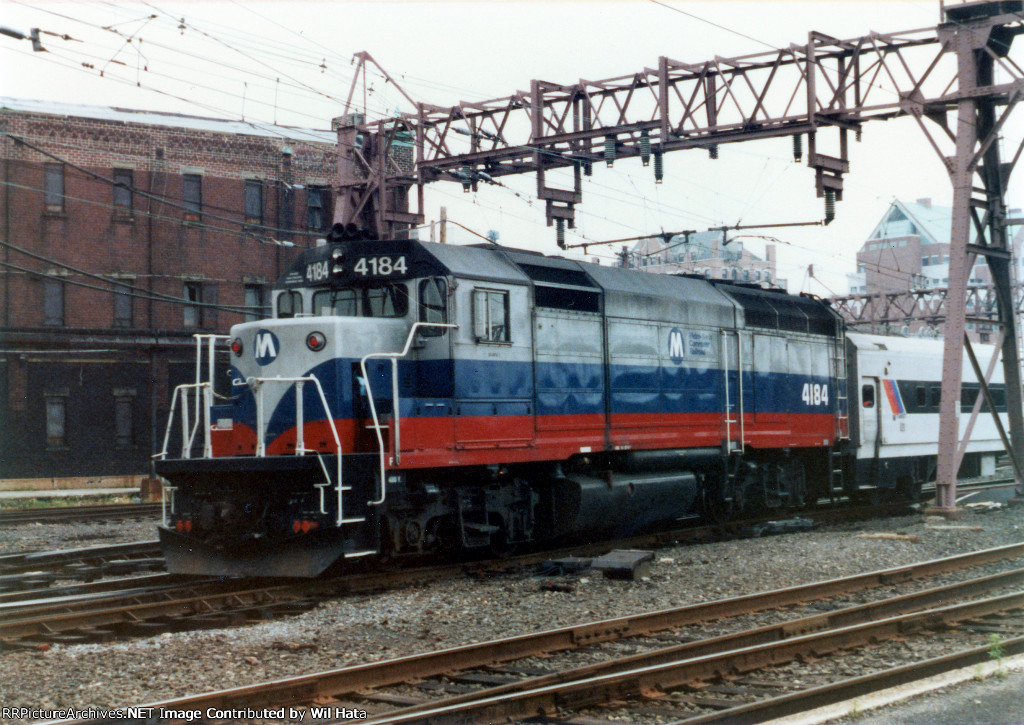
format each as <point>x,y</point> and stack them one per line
<point>977,42</point>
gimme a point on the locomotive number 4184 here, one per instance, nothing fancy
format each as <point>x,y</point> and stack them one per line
<point>814,394</point>
<point>380,266</point>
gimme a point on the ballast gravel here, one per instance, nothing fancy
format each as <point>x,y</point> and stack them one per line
<point>427,617</point>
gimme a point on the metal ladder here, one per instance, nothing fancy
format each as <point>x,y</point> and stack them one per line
<point>842,408</point>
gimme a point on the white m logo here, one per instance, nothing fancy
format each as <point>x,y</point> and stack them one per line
<point>675,345</point>
<point>266,347</point>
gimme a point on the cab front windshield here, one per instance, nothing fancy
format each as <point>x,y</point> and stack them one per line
<point>385,299</point>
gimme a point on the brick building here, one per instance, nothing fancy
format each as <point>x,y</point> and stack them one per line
<point>909,250</point>
<point>125,233</point>
<point>711,254</point>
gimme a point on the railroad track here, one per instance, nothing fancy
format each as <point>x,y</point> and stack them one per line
<point>117,610</point>
<point>37,569</point>
<point>666,668</point>
<point>60,514</point>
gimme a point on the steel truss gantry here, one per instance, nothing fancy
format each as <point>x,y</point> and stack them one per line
<point>944,77</point>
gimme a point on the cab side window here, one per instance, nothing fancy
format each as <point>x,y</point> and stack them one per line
<point>491,316</point>
<point>433,305</point>
<point>289,304</point>
<point>867,396</point>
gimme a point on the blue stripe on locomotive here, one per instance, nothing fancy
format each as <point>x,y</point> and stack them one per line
<point>483,387</point>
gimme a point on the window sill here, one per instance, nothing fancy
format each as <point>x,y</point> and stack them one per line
<point>123,217</point>
<point>55,214</point>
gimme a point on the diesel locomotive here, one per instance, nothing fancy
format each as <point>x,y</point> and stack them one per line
<point>409,397</point>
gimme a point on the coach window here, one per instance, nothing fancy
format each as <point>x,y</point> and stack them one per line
<point>935,397</point>
<point>867,396</point>
<point>922,396</point>
<point>289,304</point>
<point>490,316</point>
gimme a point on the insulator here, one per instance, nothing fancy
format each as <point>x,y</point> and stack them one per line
<point>798,147</point>
<point>830,205</point>
<point>560,233</point>
<point>857,135</point>
<point>659,166</point>
<point>588,168</point>
<point>609,150</point>
<point>713,151</point>
<point>645,147</point>
<point>467,178</point>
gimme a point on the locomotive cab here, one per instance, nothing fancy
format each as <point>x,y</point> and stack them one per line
<point>298,451</point>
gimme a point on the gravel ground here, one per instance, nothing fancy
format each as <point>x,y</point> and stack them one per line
<point>361,629</point>
<point>50,537</point>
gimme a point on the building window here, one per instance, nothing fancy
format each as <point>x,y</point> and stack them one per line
<point>123,295</point>
<point>123,423</point>
<point>56,422</point>
<point>253,202</point>
<point>123,190</point>
<point>54,187</point>
<point>316,209</point>
<point>255,302</point>
<point>490,316</point>
<point>192,196</point>
<point>53,302</point>
<point>200,306</point>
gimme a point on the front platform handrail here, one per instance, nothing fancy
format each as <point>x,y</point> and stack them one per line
<point>256,384</point>
<point>396,415</point>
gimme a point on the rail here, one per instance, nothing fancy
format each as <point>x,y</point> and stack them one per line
<point>395,414</point>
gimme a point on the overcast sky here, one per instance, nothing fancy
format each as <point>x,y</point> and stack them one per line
<point>290,63</point>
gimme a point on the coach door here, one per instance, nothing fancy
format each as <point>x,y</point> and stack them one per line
<point>870,415</point>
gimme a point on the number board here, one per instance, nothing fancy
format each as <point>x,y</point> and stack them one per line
<point>381,266</point>
<point>353,262</point>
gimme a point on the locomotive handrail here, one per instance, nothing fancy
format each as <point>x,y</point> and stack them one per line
<point>396,415</point>
<point>188,436</point>
<point>203,394</point>
<point>300,440</point>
